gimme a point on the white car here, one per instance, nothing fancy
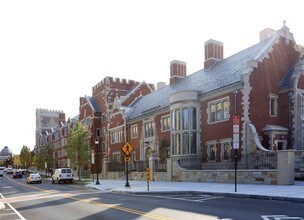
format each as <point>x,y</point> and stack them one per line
<point>33,178</point>
<point>62,175</point>
<point>9,170</point>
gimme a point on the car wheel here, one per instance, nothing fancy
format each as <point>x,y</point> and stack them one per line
<point>53,181</point>
<point>39,181</point>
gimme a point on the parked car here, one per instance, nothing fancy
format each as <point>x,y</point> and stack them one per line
<point>62,175</point>
<point>17,174</point>
<point>9,170</point>
<point>1,172</point>
<point>33,178</point>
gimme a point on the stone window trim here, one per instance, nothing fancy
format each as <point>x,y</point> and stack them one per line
<point>224,143</point>
<point>116,136</point>
<point>116,157</point>
<point>165,123</point>
<point>209,145</point>
<point>218,110</point>
<point>273,105</point>
<point>134,131</point>
<point>103,146</point>
<point>148,128</point>
<point>184,130</point>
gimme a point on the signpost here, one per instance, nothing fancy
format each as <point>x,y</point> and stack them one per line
<point>236,140</point>
<point>92,158</point>
<point>127,148</point>
<point>148,177</point>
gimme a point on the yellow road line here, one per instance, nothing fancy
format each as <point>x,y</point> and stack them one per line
<point>117,207</point>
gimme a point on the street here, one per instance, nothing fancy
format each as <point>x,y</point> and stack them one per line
<point>75,201</point>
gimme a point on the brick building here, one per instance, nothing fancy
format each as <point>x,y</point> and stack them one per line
<point>262,84</point>
<point>192,117</point>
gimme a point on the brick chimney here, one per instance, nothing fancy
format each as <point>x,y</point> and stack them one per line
<point>214,51</point>
<point>178,70</point>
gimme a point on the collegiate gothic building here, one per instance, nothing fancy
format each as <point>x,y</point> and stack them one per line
<point>193,115</point>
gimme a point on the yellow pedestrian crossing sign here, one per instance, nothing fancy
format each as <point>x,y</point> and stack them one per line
<point>127,148</point>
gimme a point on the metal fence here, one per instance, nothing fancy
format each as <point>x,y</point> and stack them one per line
<point>118,167</point>
<point>263,160</point>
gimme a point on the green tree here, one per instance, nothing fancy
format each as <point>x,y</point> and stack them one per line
<point>77,148</point>
<point>9,161</point>
<point>25,157</point>
<point>39,160</point>
<point>44,155</point>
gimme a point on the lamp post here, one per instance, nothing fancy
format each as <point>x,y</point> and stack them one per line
<point>96,144</point>
<point>45,166</point>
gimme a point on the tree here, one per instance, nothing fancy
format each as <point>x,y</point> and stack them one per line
<point>42,156</point>
<point>77,148</point>
<point>25,157</point>
<point>39,160</point>
<point>9,161</point>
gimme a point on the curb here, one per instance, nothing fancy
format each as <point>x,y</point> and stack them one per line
<point>2,206</point>
<point>264,197</point>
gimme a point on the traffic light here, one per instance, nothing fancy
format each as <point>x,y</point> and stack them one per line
<point>148,174</point>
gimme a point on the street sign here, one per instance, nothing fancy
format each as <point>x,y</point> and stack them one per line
<point>236,120</point>
<point>127,159</point>
<point>127,148</point>
<point>148,174</point>
<point>92,156</point>
<point>236,131</point>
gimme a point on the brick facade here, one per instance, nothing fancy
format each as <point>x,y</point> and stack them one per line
<point>260,84</point>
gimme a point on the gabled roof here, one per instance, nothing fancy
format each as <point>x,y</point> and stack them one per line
<point>223,73</point>
<point>92,103</point>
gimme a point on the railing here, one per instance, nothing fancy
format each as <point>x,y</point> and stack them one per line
<point>160,167</point>
<point>116,167</point>
<point>191,162</point>
<point>140,166</point>
<point>263,160</point>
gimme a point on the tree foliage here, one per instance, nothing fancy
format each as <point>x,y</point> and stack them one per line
<point>25,157</point>
<point>42,156</point>
<point>77,148</point>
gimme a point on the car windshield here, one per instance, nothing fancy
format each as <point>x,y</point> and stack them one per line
<point>34,175</point>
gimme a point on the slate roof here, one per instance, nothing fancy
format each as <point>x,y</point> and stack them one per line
<point>93,104</point>
<point>220,74</point>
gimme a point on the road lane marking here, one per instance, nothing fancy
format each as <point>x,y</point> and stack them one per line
<point>122,208</point>
<point>117,207</point>
<point>12,208</point>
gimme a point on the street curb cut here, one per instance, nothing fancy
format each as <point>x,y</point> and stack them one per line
<point>264,197</point>
<point>2,206</point>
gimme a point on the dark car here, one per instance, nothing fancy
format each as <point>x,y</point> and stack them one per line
<point>17,174</point>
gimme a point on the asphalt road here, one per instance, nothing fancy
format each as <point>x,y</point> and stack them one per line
<point>75,201</point>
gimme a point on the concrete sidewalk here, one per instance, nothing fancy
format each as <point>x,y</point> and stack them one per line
<point>276,192</point>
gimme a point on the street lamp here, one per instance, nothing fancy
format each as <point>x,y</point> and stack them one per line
<point>96,144</point>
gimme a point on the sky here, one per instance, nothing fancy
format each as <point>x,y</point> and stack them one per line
<point>53,52</point>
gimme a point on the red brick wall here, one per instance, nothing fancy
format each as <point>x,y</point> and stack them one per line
<point>142,90</point>
<point>218,130</point>
<point>136,142</point>
<point>264,80</point>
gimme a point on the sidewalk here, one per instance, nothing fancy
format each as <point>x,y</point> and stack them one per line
<point>275,192</point>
